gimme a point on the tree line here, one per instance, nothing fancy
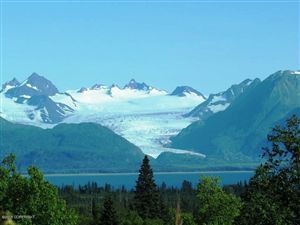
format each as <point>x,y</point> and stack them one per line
<point>271,197</point>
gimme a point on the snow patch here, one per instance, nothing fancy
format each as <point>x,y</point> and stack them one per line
<point>30,86</point>
<point>218,98</point>
<point>25,96</point>
<point>218,107</point>
<point>7,87</point>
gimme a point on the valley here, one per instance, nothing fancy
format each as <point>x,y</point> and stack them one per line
<point>182,130</point>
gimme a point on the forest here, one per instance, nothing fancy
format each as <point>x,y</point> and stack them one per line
<point>271,197</point>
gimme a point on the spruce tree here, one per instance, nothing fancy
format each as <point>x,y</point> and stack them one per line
<point>94,212</point>
<point>146,199</point>
<point>108,215</point>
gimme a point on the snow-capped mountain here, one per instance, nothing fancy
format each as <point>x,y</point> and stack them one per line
<point>50,111</point>
<point>97,86</point>
<point>138,86</point>
<point>34,85</point>
<point>220,101</point>
<point>10,84</point>
<point>83,89</point>
<point>182,91</point>
<point>100,93</point>
<point>143,114</point>
<point>34,94</point>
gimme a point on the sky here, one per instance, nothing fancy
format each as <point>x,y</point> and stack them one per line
<point>206,45</point>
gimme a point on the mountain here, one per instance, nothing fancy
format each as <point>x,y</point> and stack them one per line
<point>169,161</point>
<point>36,91</point>
<point>10,84</point>
<point>144,115</point>
<point>49,111</point>
<point>220,101</point>
<point>138,86</point>
<point>182,91</point>
<point>34,85</point>
<point>94,87</point>
<point>131,90</point>
<point>239,132</point>
<point>83,89</point>
<point>69,148</point>
<point>97,86</point>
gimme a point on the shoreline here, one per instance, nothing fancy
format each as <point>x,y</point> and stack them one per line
<point>136,173</point>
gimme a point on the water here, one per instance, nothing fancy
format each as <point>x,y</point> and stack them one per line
<point>128,180</point>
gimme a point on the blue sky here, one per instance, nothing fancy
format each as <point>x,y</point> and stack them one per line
<point>208,46</point>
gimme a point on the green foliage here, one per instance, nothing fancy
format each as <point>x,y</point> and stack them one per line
<point>95,214</point>
<point>153,222</point>
<point>216,206</point>
<point>81,198</point>
<point>32,196</point>
<point>273,195</point>
<point>132,218</point>
<point>188,219</point>
<point>6,218</point>
<point>177,217</point>
<point>108,214</point>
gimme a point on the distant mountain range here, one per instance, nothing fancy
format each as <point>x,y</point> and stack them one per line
<point>48,105</point>
<point>109,128</point>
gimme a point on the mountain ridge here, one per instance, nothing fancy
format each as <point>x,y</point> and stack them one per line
<point>242,127</point>
<point>68,147</point>
<point>220,101</point>
<point>52,106</point>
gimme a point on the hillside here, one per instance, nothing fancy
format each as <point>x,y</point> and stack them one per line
<point>80,147</point>
<point>220,101</point>
<point>238,133</point>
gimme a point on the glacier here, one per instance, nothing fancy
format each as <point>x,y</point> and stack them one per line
<point>147,118</point>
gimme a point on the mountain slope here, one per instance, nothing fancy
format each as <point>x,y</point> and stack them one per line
<point>138,86</point>
<point>34,85</point>
<point>220,101</point>
<point>182,91</point>
<point>10,84</point>
<point>241,129</point>
<point>69,148</point>
<point>33,94</point>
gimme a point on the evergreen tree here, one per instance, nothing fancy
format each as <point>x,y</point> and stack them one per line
<point>108,215</point>
<point>146,199</point>
<point>94,211</point>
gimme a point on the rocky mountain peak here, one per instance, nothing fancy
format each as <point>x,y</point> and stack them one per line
<point>182,91</point>
<point>33,85</point>
<point>10,84</point>
<point>133,84</point>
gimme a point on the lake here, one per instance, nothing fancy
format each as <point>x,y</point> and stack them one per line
<point>128,179</point>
